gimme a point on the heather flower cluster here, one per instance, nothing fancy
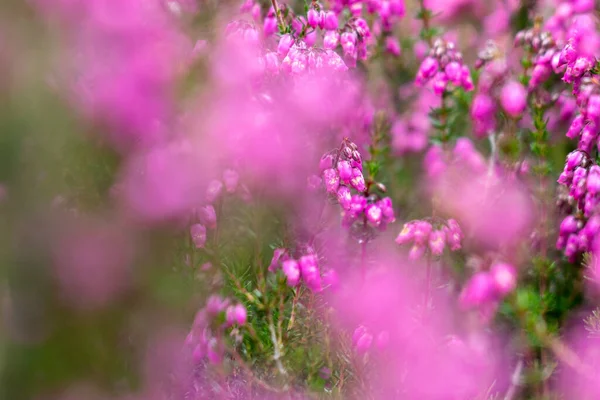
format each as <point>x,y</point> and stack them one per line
<point>444,67</point>
<point>305,269</point>
<point>433,236</point>
<point>206,338</point>
<point>253,157</point>
<point>205,216</point>
<point>363,340</point>
<point>487,288</point>
<point>362,210</point>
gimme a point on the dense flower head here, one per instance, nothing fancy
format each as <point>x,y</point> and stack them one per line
<point>362,210</point>
<point>444,67</point>
<point>423,236</point>
<point>206,338</point>
<point>304,270</point>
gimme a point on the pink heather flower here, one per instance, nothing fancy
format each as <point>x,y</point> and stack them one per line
<point>593,180</point>
<point>466,80</point>
<point>344,197</point>
<point>277,256</point>
<point>482,112</point>
<point>429,67</point>
<point>215,304</point>
<point>330,21</point>
<point>285,44</point>
<point>568,225</point>
<point>198,353</point>
<point>483,107</point>
<point>311,38</point>
<point>344,170</point>
<point>358,204</point>
<point>454,72</point>
<point>292,272</point>
<point>310,272</point>
<point>332,180</point>
<point>208,216</point>
<point>214,190</point>
<point>421,232</point>
<point>416,251</point>
<point>231,179</point>
<point>236,315</point>
<point>437,242</point>
<point>214,354</point>
<point>453,234</point>
<point>198,233</point>
<point>270,26</point>
<point>331,40</point>
<point>440,83</point>
<point>478,290</point>
<point>358,180</point>
<point>387,210</point>
<point>407,234</point>
<point>540,74</point>
<point>374,214</point>
<point>504,277</point>
<point>574,160</point>
<point>513,98</point>
<point>313,18</point>
<point>392,46</point>
<point>575,127</point>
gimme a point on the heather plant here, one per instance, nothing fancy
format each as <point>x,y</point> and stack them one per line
<point>281,199</point>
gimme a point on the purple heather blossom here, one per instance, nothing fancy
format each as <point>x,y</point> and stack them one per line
<point>291,270</point>
<point>504,277</point>
<point>513,98</point>
<point>198,234</point>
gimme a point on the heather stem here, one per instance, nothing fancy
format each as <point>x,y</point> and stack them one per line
<point>280,21</point>
<point>425,16</point>
<point>514,381</point>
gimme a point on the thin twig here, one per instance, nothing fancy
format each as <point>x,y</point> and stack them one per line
<point>276,348</point>
<point>293,314</point>
<point>514,381</point>
<point>280,21</point>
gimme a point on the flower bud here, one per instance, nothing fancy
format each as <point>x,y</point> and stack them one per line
<point>292,272</point>
<point>358,180</point>
<point>236,315</point>
<point>478,290</point>
<point>344,170</point>
<point>513,98</point>
<point>593,180</point>
<point>277,256</point>
<point>344,197</point>
<point>285,44</point>
<point>198,233</point>
<point>208,216</point>
<point>505,278</point>
<point>214,190</point>
<point>313,18</point>
<point>331,179</point>
<point>330,21</point>
<point>374,214</point>
<point>437,242</point>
